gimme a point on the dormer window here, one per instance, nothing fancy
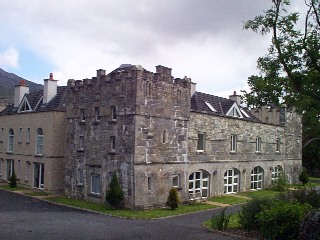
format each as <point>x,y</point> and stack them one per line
<point>24,106</point>
<point>210,106</point>
<point>234,111</point>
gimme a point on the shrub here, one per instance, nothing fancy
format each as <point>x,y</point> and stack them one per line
<point>248,218</point>
<point>304,195</point>
<point>13,180</point>
<point>281,220</point>
<point>280,184</point>
<point>220,221</point>
<point>173,199</point>
<point>304,177</point>
<point>114,195</point>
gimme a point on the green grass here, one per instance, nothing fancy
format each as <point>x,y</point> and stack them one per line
<point>260,194</point>
<point>314,179</point>
<point>231,200</point>
<point>37,194</point>
<point>7,187</point>
<point>308,185</point>
<point>134,214</point>
<point>232,224</point>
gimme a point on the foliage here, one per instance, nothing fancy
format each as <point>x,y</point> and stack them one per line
<point>173,199</point>
<point>304,177</point>
<point>248,218</point>
<point>114,195</point>
<point>228,199</point>
<point>13,180</point>
<point>280,184</point>
<point>281,220</point>
<point>304,195</point>
<point>220,221</point>
<point>290,71</point>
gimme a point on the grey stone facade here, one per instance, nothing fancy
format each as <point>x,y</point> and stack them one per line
<point>146,128</point>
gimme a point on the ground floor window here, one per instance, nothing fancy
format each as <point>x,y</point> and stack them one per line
<point>95,184</point>
<point>199,184</point>
<point>38,181</point>
<point>231,181</point>
<point>276,173</point>
<point>256,178</point>
<point>10,168</point>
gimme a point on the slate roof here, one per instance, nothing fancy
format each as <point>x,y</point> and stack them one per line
<point>221,105</point>
<point>57,103</point>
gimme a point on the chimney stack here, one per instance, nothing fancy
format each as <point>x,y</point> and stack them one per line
<point>50,89</point>
<point>236,98</point>
<point>19,91</point>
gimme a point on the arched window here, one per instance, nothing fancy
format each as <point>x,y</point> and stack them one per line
<point>257,178</point>
<point>10,140</point>
<point>39,143</point>
<point>231,181</point>
<point>199,184</point>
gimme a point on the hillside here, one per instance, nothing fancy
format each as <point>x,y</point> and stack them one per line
<point>7,83</point>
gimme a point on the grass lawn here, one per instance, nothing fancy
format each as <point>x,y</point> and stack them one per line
<point>134,214</point>
<point>260,193</point>
<point>7,187</point>
<point>37,194</point>
<point>231,200</point>
<point>314,179</point>
<point>234,218</point>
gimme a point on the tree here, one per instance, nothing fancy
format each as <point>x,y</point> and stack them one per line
<point>115,194</point>
<point>290,71</point>
<point>13,180</point>
<point>304,177</point>
<point>173,199</point>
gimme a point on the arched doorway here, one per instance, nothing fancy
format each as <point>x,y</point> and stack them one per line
<point>231,181</point>
<point>257,178</point>
<point>199,184</point>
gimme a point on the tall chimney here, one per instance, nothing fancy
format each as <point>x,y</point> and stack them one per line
<point>193,88</point>
<point>49,89</point>
<point>236,98</point>
<point>19,91</point>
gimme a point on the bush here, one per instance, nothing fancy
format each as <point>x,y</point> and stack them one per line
<point>114,195</point>
<point>280,184</point>
<point>304,195</point>
<point>281,220</point>
<point>13,180</point>
<point>304,177</point>
<point>220,221</point>
<point>173,199</point>
<point>248,218</point>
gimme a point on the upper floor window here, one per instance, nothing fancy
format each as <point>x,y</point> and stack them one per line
<point>201,142</point>
<point>258,144</point>
<point>95,184</point>
<point>82,116</point>
<point>278,145</point>
<point>39,146</point>
<point>1,134</point>
<point>10,140</point>
<point>113,113</point>
<point>81,142</point>
<point>164,136</point>
<point>28,135</point>
<point>113,143</point>
<point>97,113</point>
<point>149,90</point>
<point>233,147</point>
<point>20,135</point>
<point>179,96</point>
<point>175,181</point>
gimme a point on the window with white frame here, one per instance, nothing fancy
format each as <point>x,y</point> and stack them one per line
<point>175,181</point>
<point>199,184</point>
<point>231,181</point>
<point>233,147</point>
<point>257,178</point>
<point>113,143</point>
<point>97,113</point>
<point>276,173</point>
<point>20,135</point>
<point>258,144</point>
<point>201,142</point>
<point>278,142</point>
<point>95,184</point>
<point>39,143</point>
<point>10,140</point>
<point>28,135</point>
<point>113,113</point>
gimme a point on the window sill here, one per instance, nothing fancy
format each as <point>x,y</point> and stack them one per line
<point>38,155</point>
<point>82,122</point>
<point>258,153</point>
<point>233,152</point>
<point>201,152</point>
<point>112,121</point>
<point>112,152</point>
<point>9,152</point>
<point>80,150</point>
<point>278,153</point>
<point>95,195</point>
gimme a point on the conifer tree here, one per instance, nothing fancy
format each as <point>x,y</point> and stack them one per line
<point>13,180</point>
<point>115,194</point>
<point>173,199</point>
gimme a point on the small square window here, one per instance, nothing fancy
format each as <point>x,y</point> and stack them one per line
<point>113,113</point>
<point>82,115</point>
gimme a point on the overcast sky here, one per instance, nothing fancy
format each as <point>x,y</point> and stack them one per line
<point>201,39</point>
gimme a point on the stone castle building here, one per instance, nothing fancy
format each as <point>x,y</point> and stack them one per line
<point>157,132</point>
